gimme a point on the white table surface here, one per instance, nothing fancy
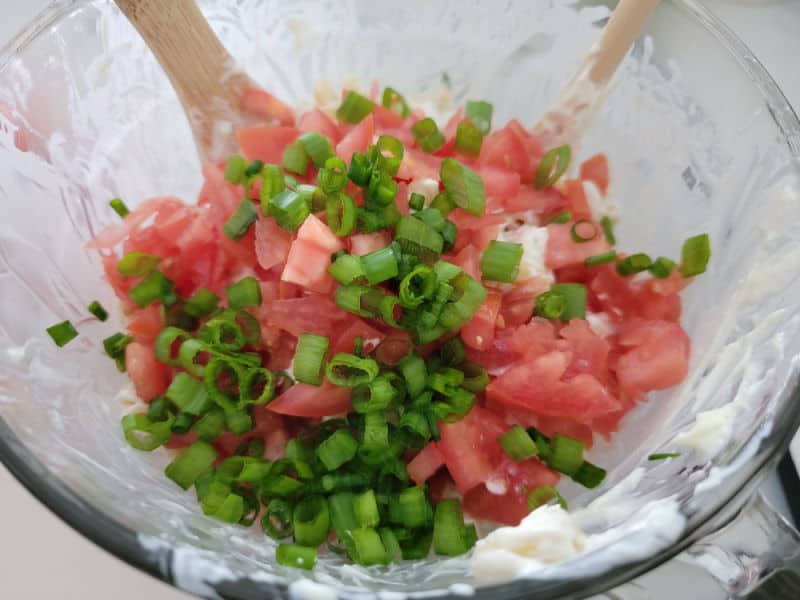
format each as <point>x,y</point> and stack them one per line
<point>48,560</point>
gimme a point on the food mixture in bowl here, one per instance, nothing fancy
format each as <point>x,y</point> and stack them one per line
<point>370,334</point>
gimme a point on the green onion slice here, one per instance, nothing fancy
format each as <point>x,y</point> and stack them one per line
<point>191,463</point>
<point>500,261</point>
<point>137,263</point>
<point>518,444</point>
<point>608,230</point>
<point>544,494</point>
<point>277,519</point>
<point>427,135</point>
<point>295,158</point>
<point>298,557</point>
<point>662,267</point>
<point>98,311</point>
<point>119,207</point>
<point>469,138</point>
<point>241,220</point>
<point>340,210</point>
<point>143,434</point>
<point>348,370</point>
<point>311,521</point>
<point>480,113</point>
<point>463,185</point>
<point>340,447</point>
<point>695,254</point>
<point>202,303</point>
<point>553,165</point>
<point>394,101</point>
<point>62,333</point>
<point>245,292</point>
<point>635,263</point>
<point>354,108</point>
<point>309,358</point>
<point>601,259</point>
<point>663,455</point>
<point>583,231</point>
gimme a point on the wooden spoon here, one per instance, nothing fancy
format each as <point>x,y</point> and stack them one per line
<point>565,121</point>
<point>215,95</point>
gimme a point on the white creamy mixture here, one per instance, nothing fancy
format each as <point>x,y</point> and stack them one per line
<point>534,242</point>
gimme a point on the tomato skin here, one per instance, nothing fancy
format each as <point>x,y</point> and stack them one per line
<point>656,355</point>
<point>303,400</point>
<point>385,118</point>
<point>478,333</point>
<point>306,266</point>
<point>357,139</point>
<point>306,314</point>
<point>563,251</point>
<point>272,243</point>
<point>364,243</point>
<point>595,169</point>
<point>318,233</point>
<point>503,148</point>
<point>425,463</point>
<point>345,341</point>
<point>499,182</point>
<point>468,258</point>
<point>149,376</point>
<point>261,103</point>
<point>145,324</point>
<point>318,121</point>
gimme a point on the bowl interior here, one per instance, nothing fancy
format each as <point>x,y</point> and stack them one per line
<point>693,143</point>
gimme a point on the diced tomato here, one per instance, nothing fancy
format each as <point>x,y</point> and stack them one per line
<point>519,302</point>
<point>150,378</point>
<point>533,144</point>
<point>468,258</point>
<point>318,233</point>
<point>115,233</point>
<point>478,333</point>
<point>589,350</point>
<point>595,169</point>
<point>425,464</point>
<point>179,441</point>
<point>499,182</point>
<point>222,197</point>
<point>563,251</point>
<point>303,400</point>
<point>542,202</point>
<point>385,118</point>
<point>656,356</point>
<point>364,243</point>
<point>312,314</point>
<point>357,328</point>
<point>576,199</point>
<point>145,324</point>
<point>552,425</point>
<point>464,220</point>
<point>460,446</point>
<point>263,104</point>
<point>537,385</point>
<point>535,338</point>
<point>357,139</point>
<point>241,252</point>
<point>316,120</point>
<point>512,506</point>
<point>504,149</point>
<point>272,243</point>
<point>450,128</point>
<point>266,142</point>
<point>306,265</point>
<point>418,165</point>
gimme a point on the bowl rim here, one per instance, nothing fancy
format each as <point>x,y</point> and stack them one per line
<point>124,543</point>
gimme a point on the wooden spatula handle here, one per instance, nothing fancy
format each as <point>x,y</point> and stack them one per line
<point>198,65</point>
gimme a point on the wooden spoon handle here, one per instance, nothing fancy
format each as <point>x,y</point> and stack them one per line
<point>566,119</point>
<point>199,67</point>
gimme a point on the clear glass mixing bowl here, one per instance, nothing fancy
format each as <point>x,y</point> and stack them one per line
<point>699,138</point>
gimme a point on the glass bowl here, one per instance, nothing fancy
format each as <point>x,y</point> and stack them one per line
<point>699,139</point>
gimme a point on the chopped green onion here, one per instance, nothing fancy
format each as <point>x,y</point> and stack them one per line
<point>143,434</point>
<point>364,546</point>
<point>550,305</point>
<point>394,101</point>
<point>476,378</point>
<point>574,297</point>
<point>589,475</point>
<point>343,516</point>
<point>446,271</point>
<point>272,183</point>
<point>567,454</point>
<point>222,377</point>
<point>449,537</point>
<point>457,314</point>
<point>349,370</point>
<point>115,345</point>
<point>241,220</point>
<point>365,508</point>
<point>137,263</point>
<point>353,298</point>
<point>418,286</point>
<point>635,263</point>
<point>318,148</point>
<point>235,169</point>
<point>257,387</point>
<point>389,154</point>
<point>119,207</point>
<point>152,288</point>
<point>544,494</point>
<point>445,381</point>
<point>464,186</point>
<point>417,238</point>
<point>337,449</point>
<point>341,214</point>
<point>553,165</point>
<point>245,292</point>
<point>164,345</point>
<point>443,203</point>
<point>62,333</point>
<point>254,448</point>
<point>452,352</point>
<point>202,303</point>
<point>379,265</point>
<point>281,486</point>
<point>346,269</point>
<point>373,396</point>
<point>98,311</point>
<point>431,217</point>
<point>359,170</point>
<point>254,168</point>
<point>414,544</point>
<point>448,234</point>
<point>518,444</point>
<point>222,334</point>
<point>299,557</point>
<point>427,135</point>
<point>468,138</point>
<point>601,259</point>
<point>391,311</point>
<point>192,462</point>
<point>332,177</point>
<point>480,113</point>
<point>415,423</point>
<point>182,423</point>
<point>393,551</point>
<point>662,267</point>
<point>381,189</point>
<point>277,519</point>
<point>311,521</point>
<point>309,358</point>
<point>354,108</point>
<point>608,230</point>
<point>295,158</point>
<point>289,208</point>
<point>416,201</point>
<point>158,409</point>
<point>238,421</point>
<point>413,369</point>
<point>375,448</point>
<point>583,231</point>
<point>663,455</point>
<point>211,425</point>
<point>560,218</point>
<point>188,394</point>
<point>695,254</point>
<point>500,261</point>
<point>412,508</point>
